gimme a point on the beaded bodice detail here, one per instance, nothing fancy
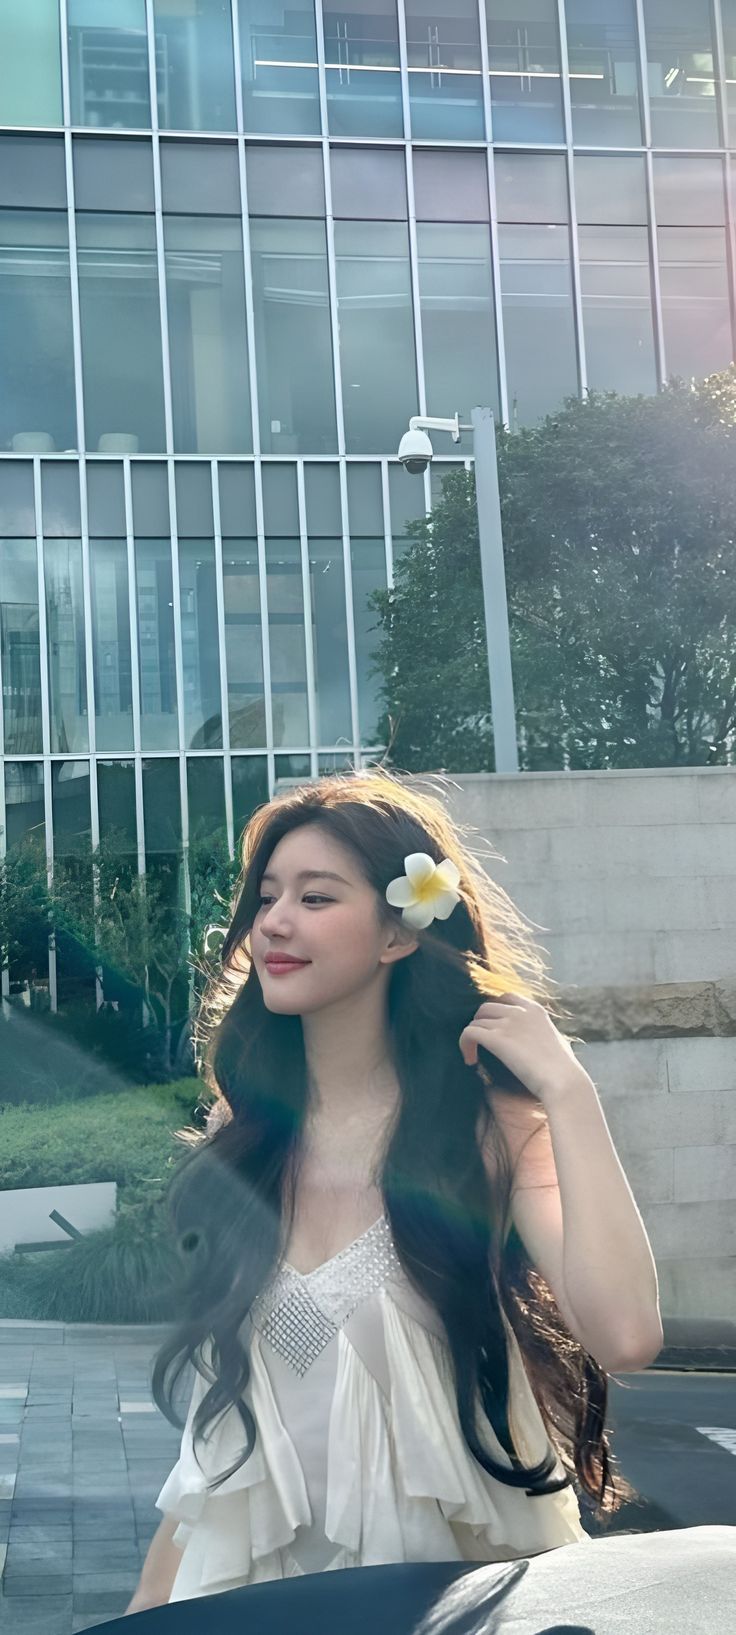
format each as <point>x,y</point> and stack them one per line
<point>298,1313</point>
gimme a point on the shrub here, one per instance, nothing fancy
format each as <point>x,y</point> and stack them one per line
<point>124,1273</point>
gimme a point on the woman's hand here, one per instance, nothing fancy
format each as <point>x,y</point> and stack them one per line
<point>523,1036</point>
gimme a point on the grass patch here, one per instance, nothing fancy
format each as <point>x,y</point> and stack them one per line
<point>125,1273</point>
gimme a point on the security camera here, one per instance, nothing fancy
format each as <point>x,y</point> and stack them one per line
<point>415,451</point>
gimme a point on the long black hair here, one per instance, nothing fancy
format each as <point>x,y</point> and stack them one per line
<point>232,1195</point>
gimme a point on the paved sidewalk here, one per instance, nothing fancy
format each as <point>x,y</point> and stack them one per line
<point>83,1455</point>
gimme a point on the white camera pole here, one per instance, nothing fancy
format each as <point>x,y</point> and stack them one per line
<point>495,603</point>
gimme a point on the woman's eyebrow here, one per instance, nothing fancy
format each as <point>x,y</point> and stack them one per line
<point>312,874</point>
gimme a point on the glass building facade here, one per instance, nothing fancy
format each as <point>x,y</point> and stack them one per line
<point>240,244</point>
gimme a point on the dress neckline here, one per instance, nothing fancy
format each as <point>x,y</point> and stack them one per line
<point>305,1276</point>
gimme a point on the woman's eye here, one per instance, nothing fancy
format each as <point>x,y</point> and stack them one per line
<point>312,896</point>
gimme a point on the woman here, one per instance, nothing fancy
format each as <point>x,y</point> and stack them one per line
<point>413,1252</point>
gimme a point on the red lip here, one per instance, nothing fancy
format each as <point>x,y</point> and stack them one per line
<point>283,959</point>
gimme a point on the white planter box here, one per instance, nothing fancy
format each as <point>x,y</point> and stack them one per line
<point>24,1212</point>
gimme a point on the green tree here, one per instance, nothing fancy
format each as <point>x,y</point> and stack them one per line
<point>619,522</point>
<point>24,908</point>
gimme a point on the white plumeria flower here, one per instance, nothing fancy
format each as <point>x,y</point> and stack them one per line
<point>426,891</point>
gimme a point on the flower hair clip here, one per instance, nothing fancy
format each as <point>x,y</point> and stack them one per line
<point>427,890</point>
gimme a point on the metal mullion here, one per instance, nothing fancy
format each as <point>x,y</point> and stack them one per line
<point>256,439</point>
<point>659,346</point>
<point>238,63</point>
<point>485,68</point>
<point>330,239</point>
<point>43,643</point>
<point>158,221</point>
<point>412,230</point>
<point>404,70</point>
<point>179,669</point>
<point>308,617</point>
<point>227,764</point>
<point>265,628</point>
<point>349,610</point>
<point>74,293</point>
<point>503,390</point>
<point>94,809</point>
<point>388,539</point>
<point>572,231</point>
<point>720,56</point>
<point>135,687</point>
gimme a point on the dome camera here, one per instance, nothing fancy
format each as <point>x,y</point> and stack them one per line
<point>415,451</point>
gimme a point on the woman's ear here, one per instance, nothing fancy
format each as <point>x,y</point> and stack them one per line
<point>399,946</point>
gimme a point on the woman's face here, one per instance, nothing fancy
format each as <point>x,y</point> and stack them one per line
<point>331,923</point>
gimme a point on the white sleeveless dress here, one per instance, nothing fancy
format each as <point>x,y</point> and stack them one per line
<point>359,1458</point>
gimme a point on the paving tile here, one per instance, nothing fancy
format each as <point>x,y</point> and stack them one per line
<point>36,1615</point>
<point>35,1584</point>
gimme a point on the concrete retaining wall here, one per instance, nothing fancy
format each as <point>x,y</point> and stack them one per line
<point>630,879</point>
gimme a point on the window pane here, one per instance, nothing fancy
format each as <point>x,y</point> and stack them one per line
<point>32,172</point>
<point>116,798</point>
<point>689,192</point>
<point>65,631</point>
<point>161,807</point>
<point>24,806</point>
<point>194,64</point>
<point>243,649</point>
<point>150,498</point>
<point>30,63</point>
<point>60,505</point>
<point>363,73</point>
<point>111,643</point>
<point>278,49</point>
<point>206,791</point>
<point>456,293</point>
<point>610,190</point>
<point>287,180</point>
<point>200,644</point>
<point>538,319</point>
<point>407,504</point>
<point>604,79</point>
<point>681,73</point>
<point>531,187</point>
<point>17,507</point>
<point>19,630</point>
<point>330,640</point>
<point>70,807</point>
<point>155,602</point>
<point>377,355</point>
<point>286,633</point>
<point>445,83</point>
<point>207,335</point>
<point>237,500</point>
<point>450,185</point>
<point>368,184</point>
<point>293,338</point>
<point>121,333</point>
<point>728,13</point>
<point>524,61</point>
<point>200,178</point>
<point>368,558</point>
<point>193,487</point>
<point>617,309</point>
<point>250,788</point>
<point>108,64</point>
<point>113,175</point>
<point>105,498</point>
<point>322,490</point>
<point>37,410</point>
<point>695,308</point>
